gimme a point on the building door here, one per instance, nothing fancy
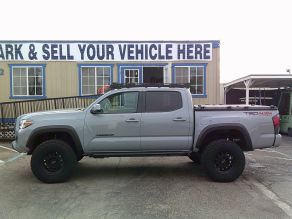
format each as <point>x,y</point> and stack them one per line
<point>153,75</point>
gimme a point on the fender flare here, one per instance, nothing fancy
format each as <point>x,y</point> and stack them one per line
<point>57,128</point>
<point>225,126</point>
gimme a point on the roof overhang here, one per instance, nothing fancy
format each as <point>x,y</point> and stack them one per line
<point>261,81</point>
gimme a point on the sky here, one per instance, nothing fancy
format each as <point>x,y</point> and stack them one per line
<point>255,35</point>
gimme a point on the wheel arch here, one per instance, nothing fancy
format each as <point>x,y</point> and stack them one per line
<point>236,132</point>
<point>55,132</point>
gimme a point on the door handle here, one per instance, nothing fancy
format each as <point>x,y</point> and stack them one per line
<point>179,119</point>
<point>132,120</point>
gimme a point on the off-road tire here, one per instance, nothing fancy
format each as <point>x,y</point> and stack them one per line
<point>53,161</point>
<point>214,161</point>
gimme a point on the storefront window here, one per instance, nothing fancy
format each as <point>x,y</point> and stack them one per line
<point>27,81</point>
<point>193,75</point>
<point>95,79</point>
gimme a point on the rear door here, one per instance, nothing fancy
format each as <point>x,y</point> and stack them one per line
<point>165,122</point>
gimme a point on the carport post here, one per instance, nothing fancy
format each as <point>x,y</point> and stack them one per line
<point>247,84</point>
<point>226,89</point>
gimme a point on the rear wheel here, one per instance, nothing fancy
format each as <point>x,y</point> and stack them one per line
<point>223,161</point>
<point>53,161</point>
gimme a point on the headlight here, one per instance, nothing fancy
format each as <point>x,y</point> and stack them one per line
<point>24,123</point>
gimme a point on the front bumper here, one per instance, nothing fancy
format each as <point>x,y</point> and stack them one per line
<point>15,145</point>
<point>278,140</point>
<point>21,140</point>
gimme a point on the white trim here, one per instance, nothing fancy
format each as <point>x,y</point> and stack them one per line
<point>196,75</point>
<point>27,82</point>
<point>131,69</point>
<point>95,76</point>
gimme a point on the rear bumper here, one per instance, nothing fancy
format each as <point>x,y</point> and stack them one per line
<point>278,139</point>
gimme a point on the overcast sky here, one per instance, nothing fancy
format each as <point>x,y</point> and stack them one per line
<point>256,36</point>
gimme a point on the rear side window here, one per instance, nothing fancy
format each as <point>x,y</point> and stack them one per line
<point>163,101</point>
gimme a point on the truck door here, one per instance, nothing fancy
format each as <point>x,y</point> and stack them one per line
<point>117,128</point>
<point>165,124</point>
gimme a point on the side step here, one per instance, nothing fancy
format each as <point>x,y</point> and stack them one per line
<point>137,154</point>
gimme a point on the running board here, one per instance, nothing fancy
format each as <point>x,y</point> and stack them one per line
<point>137,154</point>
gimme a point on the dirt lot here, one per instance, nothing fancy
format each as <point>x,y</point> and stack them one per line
<point>149,187</point>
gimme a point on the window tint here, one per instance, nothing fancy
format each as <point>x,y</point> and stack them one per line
<point>120,103</point>
<point>163,101</point>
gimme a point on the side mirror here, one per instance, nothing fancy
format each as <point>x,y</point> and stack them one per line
<point>96,109</point>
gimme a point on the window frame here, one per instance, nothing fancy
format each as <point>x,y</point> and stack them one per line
<point>188,65</point>
<point>138,108</point>
<point>80,66</point>
<point>133,69</point>
<point>43,68</point>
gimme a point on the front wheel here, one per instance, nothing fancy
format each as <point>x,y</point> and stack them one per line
<point>53,161</point>
<point>223,161</point>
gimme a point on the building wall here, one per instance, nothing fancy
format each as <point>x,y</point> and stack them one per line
<point>62,78</point>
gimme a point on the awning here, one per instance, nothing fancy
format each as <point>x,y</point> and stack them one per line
<point>259,81</point>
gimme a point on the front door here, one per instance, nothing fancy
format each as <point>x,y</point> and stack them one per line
<point>117,128</point>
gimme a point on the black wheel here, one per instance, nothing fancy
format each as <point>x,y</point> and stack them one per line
<point>290,132</point>
<point>53,161</point>
<point>223,161</point>
<point>195,157</point>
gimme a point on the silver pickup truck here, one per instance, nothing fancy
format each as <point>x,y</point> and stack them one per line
<point>146,121</point>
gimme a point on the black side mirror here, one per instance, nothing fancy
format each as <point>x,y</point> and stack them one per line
<point>96,109</point>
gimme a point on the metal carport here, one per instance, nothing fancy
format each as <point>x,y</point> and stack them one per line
<point>258,81</point>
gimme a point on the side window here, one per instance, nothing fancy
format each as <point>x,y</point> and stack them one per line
<point>163,101</point>
<point>120,103</point>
